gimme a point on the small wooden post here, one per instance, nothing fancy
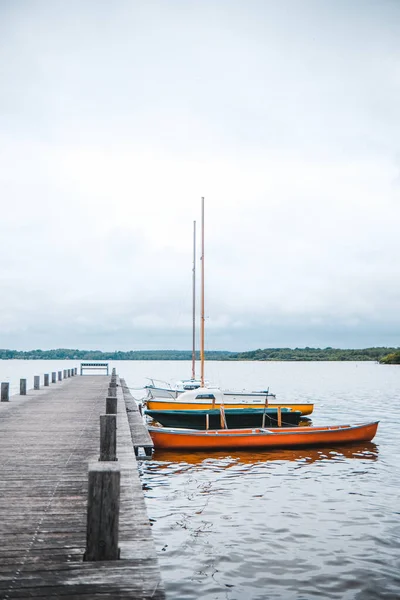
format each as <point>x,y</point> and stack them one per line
<point>5,391</point>
<point>65,373</point>
<point>68,372</point>
<point>103,512</point>
<point>53,377</point>
<point>111,405</point>
<point>112,391</point>
<point>36,382</point>
<point>72,372</point>
<point>46,379</point>
<point>76,370</point>
<point>59,375</point>
<point>279,416</point>
<point>263,420</point>
<point>108,437</point>
<point>113,372</point>
<point>22,387</point>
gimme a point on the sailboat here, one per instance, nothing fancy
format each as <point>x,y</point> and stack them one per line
<point>247,439</point>
<point>197,393</point>
<point>156,392</point>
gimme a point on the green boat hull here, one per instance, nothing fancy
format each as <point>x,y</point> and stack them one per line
<point>236,418</point>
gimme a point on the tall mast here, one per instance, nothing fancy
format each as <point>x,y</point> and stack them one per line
<point>202,318</point>
<point>194,305</point>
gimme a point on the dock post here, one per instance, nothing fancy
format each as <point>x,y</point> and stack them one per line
<point>65,373</point>
<point>111,405</point>
<point>36,382</point>
<point>5,391</point>
<point>112,391</point>
<point>22,387</point>
<point>76,370</point>
<point>103,512</point>
<point>72,372</point>
<point>108,438</point>
<point>59,375</point>
<point>46,379</point>
<point>53,377</point>
<point>68,372</point>
<point>113,372</point>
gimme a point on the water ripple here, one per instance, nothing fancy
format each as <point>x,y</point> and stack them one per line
<point>292,524</point>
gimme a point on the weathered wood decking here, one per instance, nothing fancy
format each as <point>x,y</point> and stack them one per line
<point>140,435</point>
<point>47,439</point>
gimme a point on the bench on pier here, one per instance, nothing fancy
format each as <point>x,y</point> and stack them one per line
<point>90,366</point>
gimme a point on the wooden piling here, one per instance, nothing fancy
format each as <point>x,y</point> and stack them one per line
<point>36,382</point>
<point>112,391</point>
<point>22,387</point>
<point>5,391</point>
<point>68,372</point>
<point>103,512</point>
<point>65,373</point>
<point>111,405</point>
<point>108,437</point>
<point>53,377</point>
<point>46,379</point>
<point>59,375</point>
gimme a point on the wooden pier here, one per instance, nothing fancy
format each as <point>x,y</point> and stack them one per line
<point>140,436</point>
<point>47,439</point>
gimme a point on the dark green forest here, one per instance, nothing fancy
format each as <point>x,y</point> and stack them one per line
<point>391,359</point>
<point>381,354</point>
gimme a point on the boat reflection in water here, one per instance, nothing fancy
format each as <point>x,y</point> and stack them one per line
<point>364,451</point>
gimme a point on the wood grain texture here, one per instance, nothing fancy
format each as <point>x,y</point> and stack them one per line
<point>139,432</point>
<point>5,391</point>
<point>111,405</point>
<point>22,387</point>
<point>47,439</point>
<point>103,512</point>
<point>108,437</point>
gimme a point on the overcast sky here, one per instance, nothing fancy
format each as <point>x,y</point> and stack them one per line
<point>116,117</point>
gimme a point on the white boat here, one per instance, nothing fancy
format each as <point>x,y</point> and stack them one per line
<point>169,391</point>
<point>183,387</point>
<point>186,386</point>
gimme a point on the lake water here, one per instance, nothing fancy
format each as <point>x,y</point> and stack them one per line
<point>280,524</point>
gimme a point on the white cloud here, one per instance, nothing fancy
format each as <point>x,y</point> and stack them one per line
<point>115,122</point>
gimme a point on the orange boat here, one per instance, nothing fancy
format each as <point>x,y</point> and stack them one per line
<point>247,439</point>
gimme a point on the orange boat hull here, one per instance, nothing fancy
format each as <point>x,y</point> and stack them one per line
<point>246,439</point>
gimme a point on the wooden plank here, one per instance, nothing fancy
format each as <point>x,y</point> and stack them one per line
<point>47,439</point>
<point>103,512</point>
<point>139,432</point>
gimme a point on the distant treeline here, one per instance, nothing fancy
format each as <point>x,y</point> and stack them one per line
<point>384,355</point>
<point>391,359</point>
<point>315,354</point>
<point>70,354</point>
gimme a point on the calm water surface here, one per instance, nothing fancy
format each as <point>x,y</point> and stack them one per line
<point>280,524</point>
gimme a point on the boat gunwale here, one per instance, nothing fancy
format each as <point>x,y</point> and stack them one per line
<point>283,404</point>
<point>216,411</point>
